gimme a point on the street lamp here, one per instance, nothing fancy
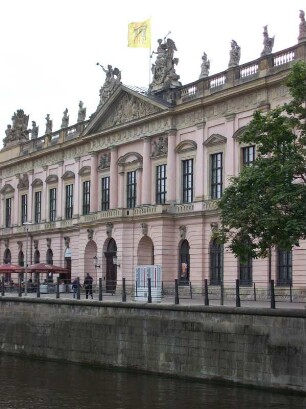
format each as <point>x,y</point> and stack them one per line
<point>26,224</point>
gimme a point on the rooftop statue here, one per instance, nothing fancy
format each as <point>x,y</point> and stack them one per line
<point>111,83</point>
<point>34,130</point>
<point>205,66</point>
<point>164,74</point>
<point>65,119</point>
<point>302,27</point>
<point>235,54</point>
<point>48,124</point>
<point>268,42</point>
<point>81,112</point>
<point>18,131</point>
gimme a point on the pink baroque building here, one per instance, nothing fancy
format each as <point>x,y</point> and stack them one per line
<point>137,183</point>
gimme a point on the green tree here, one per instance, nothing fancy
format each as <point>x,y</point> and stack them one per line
<point>265,205</point>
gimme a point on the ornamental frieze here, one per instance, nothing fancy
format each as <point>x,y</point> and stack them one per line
<point>127,109</point>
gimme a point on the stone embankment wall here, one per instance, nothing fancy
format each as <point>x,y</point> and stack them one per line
<point>256,347</point>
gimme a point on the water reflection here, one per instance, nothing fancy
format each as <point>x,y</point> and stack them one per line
<point>36,384</point>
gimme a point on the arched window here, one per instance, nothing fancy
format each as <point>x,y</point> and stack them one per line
<point>49,259</point>
<point>21,258</point>
<point>7,257</point>
<point>184,266</point>
<point>36,257</point>
<point>216,263</point>
<point>284,267</point>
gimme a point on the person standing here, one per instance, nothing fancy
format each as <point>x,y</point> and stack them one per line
<point>88,285</point>
<point>74,285</point>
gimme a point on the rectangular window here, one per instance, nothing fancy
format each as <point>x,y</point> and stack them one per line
<point>216,175</point>
<point>37,207</point>
<point>105,193</point>
<point>284,276</point>
<point>24,208</point>
<point>86,197</point>
<point>187,176</point>
<point>248,155</point>
<point>131,190</point>
<point>8,212</point>
<point>69,202</point>
<point>52,205</point>
<point>161,184</point>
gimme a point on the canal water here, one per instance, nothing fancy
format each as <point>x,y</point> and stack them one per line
<point>34,384</point>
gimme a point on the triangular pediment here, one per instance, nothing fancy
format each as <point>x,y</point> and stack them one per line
<point>215,139</point>
<point>124,106</point>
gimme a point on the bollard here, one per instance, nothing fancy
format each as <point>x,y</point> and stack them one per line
<point>237,293</point>
<point>149,291</point>
<point>190,289</point>
<point>272,294</point>
<point>124,290</point>
<point>100,289</point>
<point>38,288</point>
<point>206,299</point>
<point>2,286</point>
<point>254,287</point>
<point>78,290</point>
<point>290,292</point>
<point>221,293</point>
<point>57,288</point>
<point>176,298</point>
<point>20,288</point>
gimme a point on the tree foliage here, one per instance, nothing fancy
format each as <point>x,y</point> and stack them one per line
<point>265,205</point>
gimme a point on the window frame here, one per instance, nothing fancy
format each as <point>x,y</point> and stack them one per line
<point>161,183</point>
<point>69,190</point>
<point>187,180</point>
<point>131,189</point>
<point>216,175</point>
<point>105,192</point>
<point>52,203</point>
<point>86,197</point>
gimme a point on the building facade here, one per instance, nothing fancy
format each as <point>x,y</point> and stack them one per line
<point>137,183</point>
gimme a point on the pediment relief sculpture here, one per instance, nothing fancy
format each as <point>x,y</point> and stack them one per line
<point>68,175</point>
<point>37,182</point>
<point>52,179</point>
<point>215,139</point>
<point>104,161</point>
<point>7,188</point>
<point>160,146</point>
<point>186,146</point>
<point>128,108</point>
<point>85,171</point>
<point>23,182</point>
<point>130,158</point>
<point>239,132</point>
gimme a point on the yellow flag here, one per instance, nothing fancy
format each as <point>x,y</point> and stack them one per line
<point>139,34</point>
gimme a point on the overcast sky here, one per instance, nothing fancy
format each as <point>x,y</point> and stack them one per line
<point>49,49</point>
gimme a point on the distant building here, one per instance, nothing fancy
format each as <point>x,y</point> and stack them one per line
<point>137,183</point>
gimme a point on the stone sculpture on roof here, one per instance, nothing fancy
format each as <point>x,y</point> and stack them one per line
<point>302,27</point>
<point>65,119</point>
<point>235,54</point>
<point>111,83</point>
<point>268,43</point>
<point>18,131</point>
<point>164,74</point>
<point>34,130</point>
<point>205,66</point>
<point>81,112</point>
<point>48,124</point>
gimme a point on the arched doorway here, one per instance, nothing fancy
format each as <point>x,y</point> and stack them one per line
<point>49,259</point>
<point>7,259</point>
<point>67,277</point>
<point>89,266</point>
<point>145,252</point>
<point>111,268</point>
<point>184,262</point>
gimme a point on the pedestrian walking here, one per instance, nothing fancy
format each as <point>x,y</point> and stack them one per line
<point>74,286</point>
